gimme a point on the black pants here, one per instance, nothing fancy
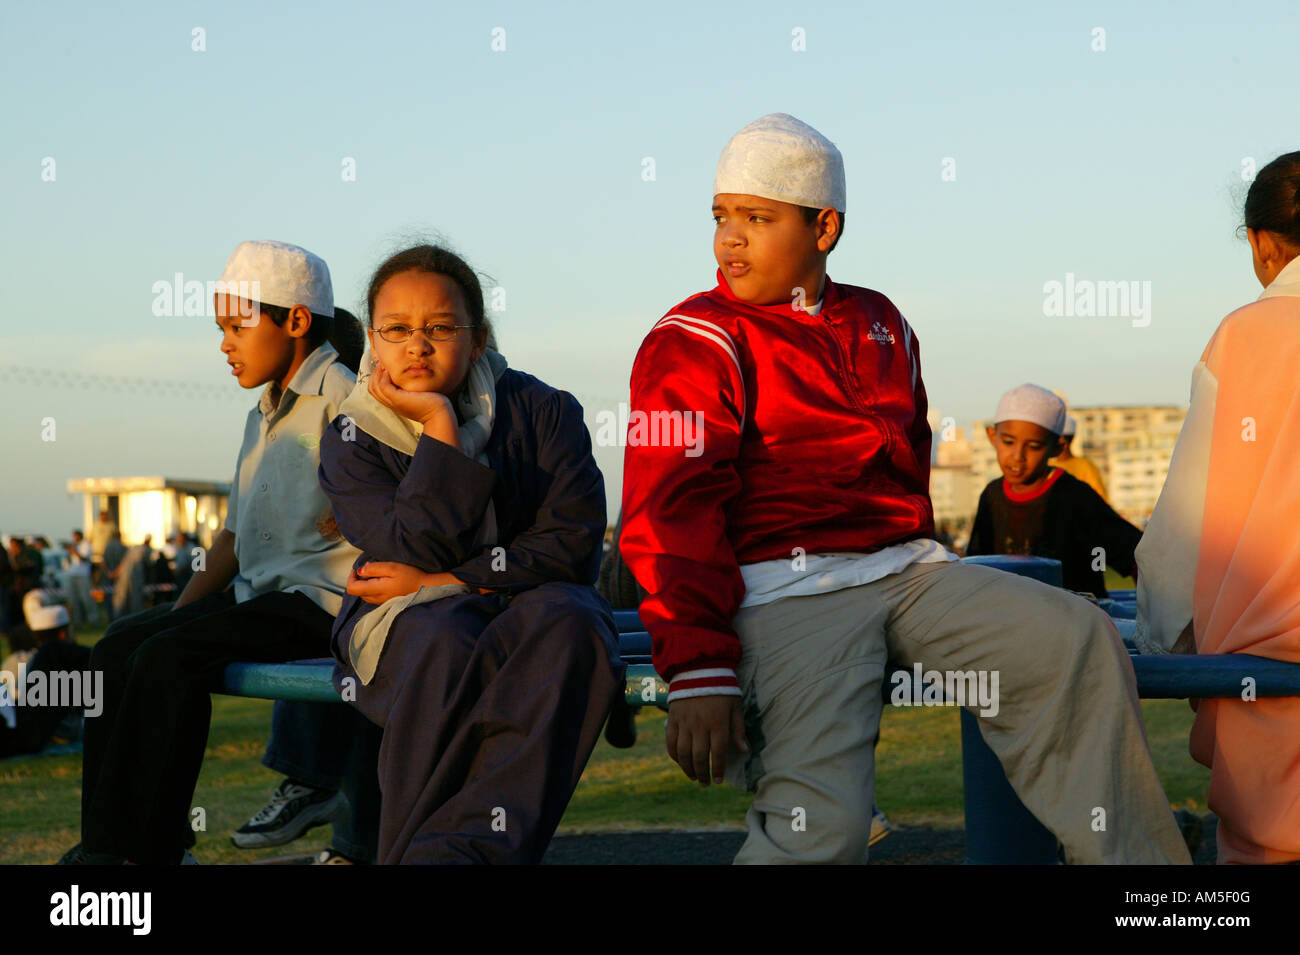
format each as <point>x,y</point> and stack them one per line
<point>144,752</point>
<point>490,712</point>
<point>37,723</point>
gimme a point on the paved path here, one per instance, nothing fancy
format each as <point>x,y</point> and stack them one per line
<point>913,846</point>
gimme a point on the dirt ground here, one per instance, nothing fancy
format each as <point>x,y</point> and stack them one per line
<point>914,846</point>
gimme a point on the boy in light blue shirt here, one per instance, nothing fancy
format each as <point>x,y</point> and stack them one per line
<point>275,309</point>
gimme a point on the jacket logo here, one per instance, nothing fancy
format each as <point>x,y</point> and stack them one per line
<point>881,334</point>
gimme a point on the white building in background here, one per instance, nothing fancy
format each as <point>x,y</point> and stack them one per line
<point>1131,445</point>
<point>157,506</point>
<point>954,493</point>
<point>954,484</point>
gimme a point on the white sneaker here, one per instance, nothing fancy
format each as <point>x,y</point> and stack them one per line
<point>331,857</point>
<point>293,809</point>
<point>880,827</point>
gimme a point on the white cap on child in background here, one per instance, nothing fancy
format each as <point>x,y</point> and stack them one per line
<point>778,157</point>
<point>1033,404</point>
<point>35,600</point>
<point>287,275</point>
<point>47,618</point>
<point>1071,427</point>
<point>39,616</point>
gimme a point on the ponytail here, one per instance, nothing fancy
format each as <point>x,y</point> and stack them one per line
<point>1273,202</point>
<point>348,338</point>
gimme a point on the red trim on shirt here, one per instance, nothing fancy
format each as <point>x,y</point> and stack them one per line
<point>1037,492</point>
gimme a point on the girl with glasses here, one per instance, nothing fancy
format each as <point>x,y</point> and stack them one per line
<point>472,631</point>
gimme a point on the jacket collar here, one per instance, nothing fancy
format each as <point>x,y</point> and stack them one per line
<point>1287,281</point>
<point>309,379</point>
<point>831,295</point>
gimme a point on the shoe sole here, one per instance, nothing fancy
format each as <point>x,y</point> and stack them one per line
<point>311,818</point>
<point>879,830</point>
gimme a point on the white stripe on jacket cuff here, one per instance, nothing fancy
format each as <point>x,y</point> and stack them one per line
<point>711,681</point>
<point>703,691</point>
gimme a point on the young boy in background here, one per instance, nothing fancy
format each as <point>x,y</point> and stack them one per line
<point>788,551</point>
<point>143,754</point>
<point>1075,465</point>
<point>1042,510</point>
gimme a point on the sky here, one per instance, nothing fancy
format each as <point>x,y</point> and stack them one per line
<point>567,151</point>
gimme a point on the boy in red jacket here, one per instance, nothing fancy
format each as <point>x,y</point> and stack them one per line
<point>788,549</point>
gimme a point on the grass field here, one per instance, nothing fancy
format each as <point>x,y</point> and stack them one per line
<point>918,782</point>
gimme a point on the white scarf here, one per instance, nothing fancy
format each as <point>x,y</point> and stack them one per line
<point>476,409</point>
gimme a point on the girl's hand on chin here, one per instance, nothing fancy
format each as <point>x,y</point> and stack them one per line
<point>424,407</point>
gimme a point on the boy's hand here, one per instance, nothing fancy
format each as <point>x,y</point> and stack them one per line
<point>698,731</point>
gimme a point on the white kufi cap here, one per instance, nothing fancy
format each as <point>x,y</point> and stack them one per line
<point>287,275</point>
<point>1033,404</point>
<point>40,615</point>
<point>778,157</point>
<point>47,618</point>
<point>35,600</point>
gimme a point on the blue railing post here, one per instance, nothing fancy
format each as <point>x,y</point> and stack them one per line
<point>999,829</point>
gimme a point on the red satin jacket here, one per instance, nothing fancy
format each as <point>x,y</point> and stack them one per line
<point>810,433</point>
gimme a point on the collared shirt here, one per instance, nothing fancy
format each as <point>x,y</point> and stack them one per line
<point>275,498</point>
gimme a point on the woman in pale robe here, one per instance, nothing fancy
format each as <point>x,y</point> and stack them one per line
<point>1219,564</point>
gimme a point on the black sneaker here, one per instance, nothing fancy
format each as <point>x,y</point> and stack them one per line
<point>620,727</point>
<point>293,809</point>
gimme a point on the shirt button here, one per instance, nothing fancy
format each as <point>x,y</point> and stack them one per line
<point>271,436</point>
<point>266,536</point>
<point>264,486</point>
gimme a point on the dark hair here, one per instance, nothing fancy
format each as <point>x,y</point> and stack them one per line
<point>348,338</point>
<point>1273,202</point>
<point>436,260</point>
<point>321,325</point>
<point>810,216</point>
<point>343,331</point>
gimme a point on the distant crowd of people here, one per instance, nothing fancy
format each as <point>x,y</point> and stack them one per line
<point>98,578</point>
